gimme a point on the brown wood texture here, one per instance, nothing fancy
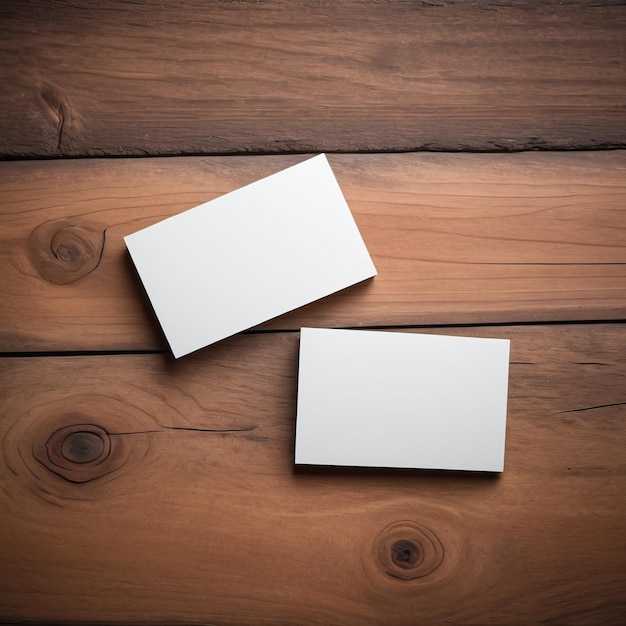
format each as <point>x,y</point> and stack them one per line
<point>96,77</point>
<point>197,515</point>
<point>455,238</point>
<point>135,488</point>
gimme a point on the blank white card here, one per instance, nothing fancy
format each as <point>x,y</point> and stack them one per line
<point>250,255</point>
<point>386,399</point>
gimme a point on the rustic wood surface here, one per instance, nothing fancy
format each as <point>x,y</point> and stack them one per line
<point>197,514</point>
<point>455,238</point>
<point>139,489</point>
<point>96,77</point>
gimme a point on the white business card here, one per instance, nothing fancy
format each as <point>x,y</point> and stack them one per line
<point>401,400</point>
<point>250,255</point>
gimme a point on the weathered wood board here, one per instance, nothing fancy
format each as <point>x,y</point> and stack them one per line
<point>139,489</point>
<point>107,77</point>
<point>455,238</point>
<point>195,513</point>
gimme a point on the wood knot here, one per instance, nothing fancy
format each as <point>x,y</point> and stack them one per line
<point>79,453</point>
<point>75,446</point>
<point>406,554</point>
<point>407,550</point>
<point>65,250</point>
<point>82,447</point>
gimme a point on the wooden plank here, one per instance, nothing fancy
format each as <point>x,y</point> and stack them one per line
<point>97,77</point>
<point>197,515</point>
<point>455,238</point>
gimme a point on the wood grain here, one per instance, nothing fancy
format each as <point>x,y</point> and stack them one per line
<point>197,515</point>
<point>455,238</point>
<point>106,77</point>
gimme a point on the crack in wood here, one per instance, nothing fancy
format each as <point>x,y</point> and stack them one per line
<point>60,126</point>
<point>591,408</point>
<point>544,263</point>
<point>593,363</point>
<point>61,112</point>
<point>187,428</point>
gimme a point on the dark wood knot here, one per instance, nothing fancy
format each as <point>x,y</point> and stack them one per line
<point>65,250</point>
<point>82,447</point>
<point>406,554</point>
<point>79,453</point>
<point>75,446</point>
<point>408,550</point>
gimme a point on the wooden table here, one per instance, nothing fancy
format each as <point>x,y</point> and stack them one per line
<point>471,141</point>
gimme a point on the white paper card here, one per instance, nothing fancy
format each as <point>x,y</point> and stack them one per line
<point>386,399</point>
<point>250,255</point>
